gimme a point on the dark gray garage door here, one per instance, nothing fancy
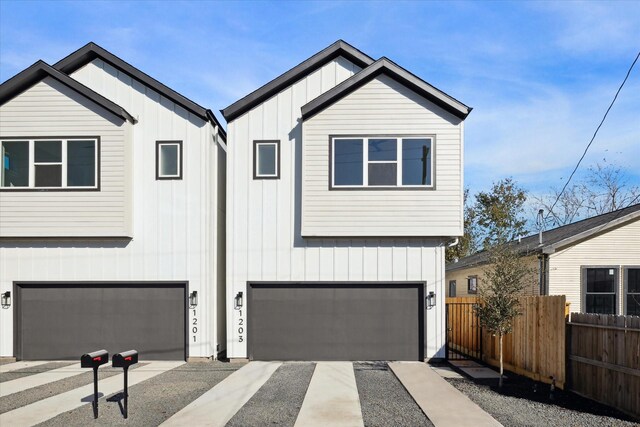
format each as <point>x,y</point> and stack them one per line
<point>335,322</point>
<point>63,321</point>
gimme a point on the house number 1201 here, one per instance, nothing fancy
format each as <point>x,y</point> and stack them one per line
<point>194,323</point>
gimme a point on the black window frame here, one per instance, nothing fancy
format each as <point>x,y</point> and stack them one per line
<point>66,139</point>
<point>452,285</point>
<point>469,279</point>
<point>180,162</point>
<point>258,142</point>
<point>625,298</point>
<point>583,286</point>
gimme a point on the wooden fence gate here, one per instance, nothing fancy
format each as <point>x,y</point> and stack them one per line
<point>464,335</point>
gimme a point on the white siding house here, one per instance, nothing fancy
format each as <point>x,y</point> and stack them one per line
<point>116,262</point>
<point>316,272</point>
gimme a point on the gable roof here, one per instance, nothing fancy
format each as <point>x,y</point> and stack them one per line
<point>91,51</point>
<point>339,48</point>
<point>39,70</point>
<point>557,237</point>
<point>399,74</point>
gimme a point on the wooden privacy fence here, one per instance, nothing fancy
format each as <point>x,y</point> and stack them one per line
<point>535,348</point>
<point>604,359</point>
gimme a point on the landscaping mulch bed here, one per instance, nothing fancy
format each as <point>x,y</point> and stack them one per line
<point>524,402</point>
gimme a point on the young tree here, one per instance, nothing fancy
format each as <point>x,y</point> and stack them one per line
<point>504,279</point>
<point>499,212</point>
<point>467,244</point>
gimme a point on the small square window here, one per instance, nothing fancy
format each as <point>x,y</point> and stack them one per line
<point>169,160</point>
<point>266,160</point>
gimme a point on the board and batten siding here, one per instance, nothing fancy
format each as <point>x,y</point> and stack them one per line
<point>51,109</point>
<point>382,107</point>
<point>177,224</point>
<point>263,223</point>
<point>614,248</point>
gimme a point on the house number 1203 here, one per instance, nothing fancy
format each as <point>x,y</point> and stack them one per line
<point>194,324</point>
<point>240,327</point>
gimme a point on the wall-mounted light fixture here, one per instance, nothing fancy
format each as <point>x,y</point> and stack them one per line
<point>238,301</point>
<point>5,299</point>
<point>430,300</point>
<point>193,298</point>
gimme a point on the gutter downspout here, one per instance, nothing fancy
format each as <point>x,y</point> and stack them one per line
<point>454,243</point>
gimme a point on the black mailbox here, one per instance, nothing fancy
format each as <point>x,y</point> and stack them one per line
<point>125,359</point>
<point>94,359</point>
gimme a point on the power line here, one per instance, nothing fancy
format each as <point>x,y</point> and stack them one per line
<point>593,137</point>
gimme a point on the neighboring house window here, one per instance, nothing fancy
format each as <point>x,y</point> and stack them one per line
<point>599,290</point>
<point>472,284</point>
<point>266,159</point>
<point>50,164</point>
<point>169,160</point>
<point>382,162</point>
<point>452,288</point>
<point>632,289</point>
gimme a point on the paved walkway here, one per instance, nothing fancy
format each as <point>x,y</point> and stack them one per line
<point>332,398</point>
<point>31,381</point>
<point>441,402</point>
<point>8,367</point>
<point>45,409</point>
<point>474,369</point>
<point>218,405</point>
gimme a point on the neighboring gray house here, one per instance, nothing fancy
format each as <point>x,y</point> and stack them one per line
<point>345,186</point>
<point>594,262</point>
<point>112,210</point>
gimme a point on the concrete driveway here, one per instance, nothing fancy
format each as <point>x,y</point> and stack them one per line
<point>253,394</point>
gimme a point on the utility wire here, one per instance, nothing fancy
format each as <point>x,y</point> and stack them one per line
<point>593,137</point>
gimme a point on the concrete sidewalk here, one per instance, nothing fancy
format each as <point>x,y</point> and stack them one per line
<point>443,404</point>
<point>14,366</point>
<point>218,405</point>
<point>332,398</point>
<point>14,386</point>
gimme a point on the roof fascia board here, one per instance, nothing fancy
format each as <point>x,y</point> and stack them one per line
<point>39,71</point>
<point>550,249</point>
<point>339,48</point>
<point>91,51</point>
<point>404,77</point>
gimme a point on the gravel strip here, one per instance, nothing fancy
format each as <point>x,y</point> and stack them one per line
<point>524,402</point>
<point>279,400</point>
<point>31,395</point>
<point>384,400</point>
<point>153,401</point>
<point>25,372</point>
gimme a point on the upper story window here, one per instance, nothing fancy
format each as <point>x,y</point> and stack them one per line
<point>49,163</point>
<point>472,284</point>
<point>169,160</point>
<point>382,162</point>
<point>266,159</point>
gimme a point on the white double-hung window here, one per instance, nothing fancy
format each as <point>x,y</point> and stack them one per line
<point>392,162</point>
<point>49,163</point>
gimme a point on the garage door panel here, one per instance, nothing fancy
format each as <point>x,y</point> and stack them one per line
<point>64,321</point>
<point>335,322</point>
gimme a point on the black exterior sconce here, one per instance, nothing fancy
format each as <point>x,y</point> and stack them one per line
<point>5,299</point>
<point>430,300</point>
<point>238,301</point>
<point>193,298</point>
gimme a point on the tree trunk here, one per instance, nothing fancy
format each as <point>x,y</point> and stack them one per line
<point>501,367</point>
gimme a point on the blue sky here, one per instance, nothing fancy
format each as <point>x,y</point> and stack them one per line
<point>539,75</point>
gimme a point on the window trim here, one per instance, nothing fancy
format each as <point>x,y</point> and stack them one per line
<point>258,142</point>
<point>475,292</point>
<point>583,286</point>
<point>625,285</point>
<point>31,141</point>
<point>180,160</point>
<point>365,162</point>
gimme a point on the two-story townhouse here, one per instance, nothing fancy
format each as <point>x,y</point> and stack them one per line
<point>345,183</point>
<point>112,211</point>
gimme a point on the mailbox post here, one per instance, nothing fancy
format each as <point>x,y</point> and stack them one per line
<point>124,360</point>
<point>94,360</point>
